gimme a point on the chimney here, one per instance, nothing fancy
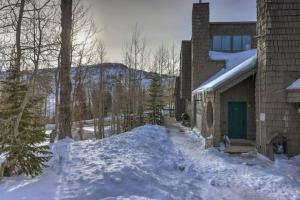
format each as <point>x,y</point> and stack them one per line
<point>200,41</point>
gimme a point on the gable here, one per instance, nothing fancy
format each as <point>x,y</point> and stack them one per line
<point>236,65</point>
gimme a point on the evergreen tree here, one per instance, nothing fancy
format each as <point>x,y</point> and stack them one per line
<point>25,152</point>
<point>155,102</point>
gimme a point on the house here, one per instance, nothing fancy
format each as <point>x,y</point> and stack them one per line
<point>242,79</point>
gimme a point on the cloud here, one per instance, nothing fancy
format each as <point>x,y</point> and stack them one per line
<point>161,21</point>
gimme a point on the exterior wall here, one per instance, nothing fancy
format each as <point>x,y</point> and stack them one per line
<point>199,106</point>
<point>201,101</point>
<point>185,70</point>
<point>243,92</point>
<point>234,28</point>
<point>179,102</point>
<point>202,32</point>
<point>241,88</point>
<point>278,66</point>
<point>293,97</point>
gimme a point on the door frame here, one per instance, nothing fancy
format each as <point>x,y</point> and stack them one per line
<point>244,103</point>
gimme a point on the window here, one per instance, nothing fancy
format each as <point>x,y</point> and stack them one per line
<point>231,43</point>
<point>237,43</point>
<point>246,42</point>
<point>226,42</point>
<point>221,43</point>
<point>217,43</point>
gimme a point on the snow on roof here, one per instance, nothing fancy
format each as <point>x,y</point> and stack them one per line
<point>295,85</point>
<point>236,63</point>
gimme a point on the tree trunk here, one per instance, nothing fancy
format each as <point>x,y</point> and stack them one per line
<point>65,117</point>
<point>101,100</point>
<point>18,37</point>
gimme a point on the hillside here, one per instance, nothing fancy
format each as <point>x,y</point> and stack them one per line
<point>90,76</point>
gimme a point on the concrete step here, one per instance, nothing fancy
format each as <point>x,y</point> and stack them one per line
<point>242,142</point>
<point>239,149</point>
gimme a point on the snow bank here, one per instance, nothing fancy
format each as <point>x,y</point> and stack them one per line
<point>140,164</point>
<point>236,63</point>
<point>152,162</point>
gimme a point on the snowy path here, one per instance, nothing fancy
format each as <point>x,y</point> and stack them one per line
<point>153,162</point>
<point>229,177</point>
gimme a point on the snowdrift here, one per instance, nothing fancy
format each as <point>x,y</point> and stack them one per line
<point>152,162</point>
<point>142,164</point>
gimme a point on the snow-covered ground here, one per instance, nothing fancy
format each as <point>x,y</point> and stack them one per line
<point>153,162</point>
<point>240,177</point>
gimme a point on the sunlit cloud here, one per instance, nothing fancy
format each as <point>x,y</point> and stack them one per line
<point>161,21</point>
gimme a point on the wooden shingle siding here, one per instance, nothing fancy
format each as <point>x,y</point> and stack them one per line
<point>278,30</point>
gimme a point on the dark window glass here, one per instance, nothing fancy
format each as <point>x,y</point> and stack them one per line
<point>246,42</point>
<point>217,44</point>
<point>226,42</point>
<point>237,42</point>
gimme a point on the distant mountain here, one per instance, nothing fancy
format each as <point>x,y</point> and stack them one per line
<point>90,73</point>
<point>112,71</point>
<point>90,77</point>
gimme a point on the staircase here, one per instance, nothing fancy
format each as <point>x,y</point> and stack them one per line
<point>238,146</point>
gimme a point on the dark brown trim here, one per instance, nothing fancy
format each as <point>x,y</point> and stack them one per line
<point>293,90</point>
<point>232,23</point>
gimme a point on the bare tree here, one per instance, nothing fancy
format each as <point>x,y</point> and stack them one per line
<point>29,22</point>
<point>33,48</point>
<point>101,53</point>
<point>172,72</point>
<point>135,52</point>
<point>83,52</point>
<point>161,60</point>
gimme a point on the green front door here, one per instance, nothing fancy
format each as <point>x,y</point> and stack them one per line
<point>237,120</point>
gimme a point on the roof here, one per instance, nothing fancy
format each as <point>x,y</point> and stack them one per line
<point>295,85</point>
<point>236,64</point>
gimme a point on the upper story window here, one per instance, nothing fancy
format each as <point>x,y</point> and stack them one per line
<point>231,43</point>
<point>246,42</point>
<point>217,43</point>
<point>237,43</point>
<point>226,42</point>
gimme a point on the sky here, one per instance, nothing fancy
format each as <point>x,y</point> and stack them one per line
<point>160,21</point>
